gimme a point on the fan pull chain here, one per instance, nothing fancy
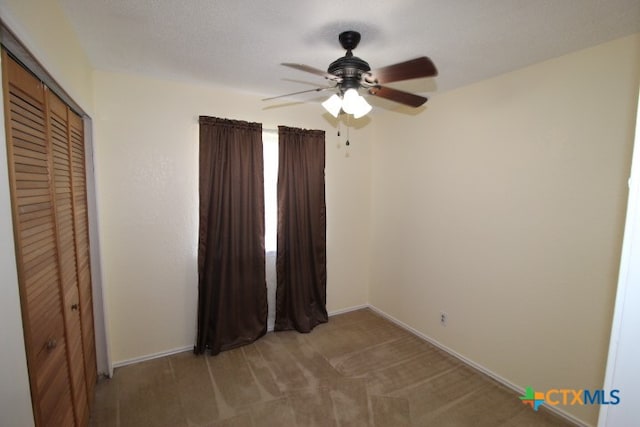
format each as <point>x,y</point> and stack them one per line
<point>347,154</point>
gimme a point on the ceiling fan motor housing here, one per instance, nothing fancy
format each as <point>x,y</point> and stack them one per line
<point>349,68</point>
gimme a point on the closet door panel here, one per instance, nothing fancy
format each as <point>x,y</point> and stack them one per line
<point>81,227</point>
<point>59,137</point>
<point>36,247</point>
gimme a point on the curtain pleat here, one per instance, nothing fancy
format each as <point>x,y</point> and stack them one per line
<point>232,293</point>
<point>301,266</point>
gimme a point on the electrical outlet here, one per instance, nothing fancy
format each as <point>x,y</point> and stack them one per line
<point>443,318</point>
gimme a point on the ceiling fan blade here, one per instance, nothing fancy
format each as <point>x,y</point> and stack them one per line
<point>318,89</point>
<point>399,96</point>
<point>412,69</point>
<point>312,70</point>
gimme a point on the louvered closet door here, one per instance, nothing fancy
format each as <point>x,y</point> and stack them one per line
<point>59,136</point>
<point>29,155</point>
<point>76,145</point>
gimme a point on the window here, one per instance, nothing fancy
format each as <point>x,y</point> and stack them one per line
<point>270,149</point>
<point>270,155</point>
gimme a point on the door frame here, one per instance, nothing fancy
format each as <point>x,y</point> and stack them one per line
<point>621,369</point>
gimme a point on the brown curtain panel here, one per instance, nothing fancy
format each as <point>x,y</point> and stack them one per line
<point>232,298</point>
<point>301,266</point>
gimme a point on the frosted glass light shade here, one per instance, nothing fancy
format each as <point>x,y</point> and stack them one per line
<point>350,101</point>
<point>362,107</point>
<point>333,105</point>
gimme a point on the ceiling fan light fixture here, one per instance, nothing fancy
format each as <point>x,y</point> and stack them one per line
<point>350,73</point>
<point>333,105</point>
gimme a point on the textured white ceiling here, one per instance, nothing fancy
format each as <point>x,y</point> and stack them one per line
<point>240,43</point>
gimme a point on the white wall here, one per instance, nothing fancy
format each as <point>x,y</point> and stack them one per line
<point>624,348</point>
<point>503,205</point>
<point>147,169</point>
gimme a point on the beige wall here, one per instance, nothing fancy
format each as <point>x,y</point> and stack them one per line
<point>43,29</point>
<point>146,142</point>
<point>503,205</point>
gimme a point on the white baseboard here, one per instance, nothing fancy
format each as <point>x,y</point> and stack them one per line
<point>151,356</point>
<point>348,309</point>
<point>336,312</point>
<point>565,415</point>
<point>187,348</point>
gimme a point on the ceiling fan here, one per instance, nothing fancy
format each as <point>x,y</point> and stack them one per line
<point>350,73</point>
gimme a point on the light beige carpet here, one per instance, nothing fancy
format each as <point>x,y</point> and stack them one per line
<point>357,370</point>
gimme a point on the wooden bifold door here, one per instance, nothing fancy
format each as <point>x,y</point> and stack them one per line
<point>45,150</point>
